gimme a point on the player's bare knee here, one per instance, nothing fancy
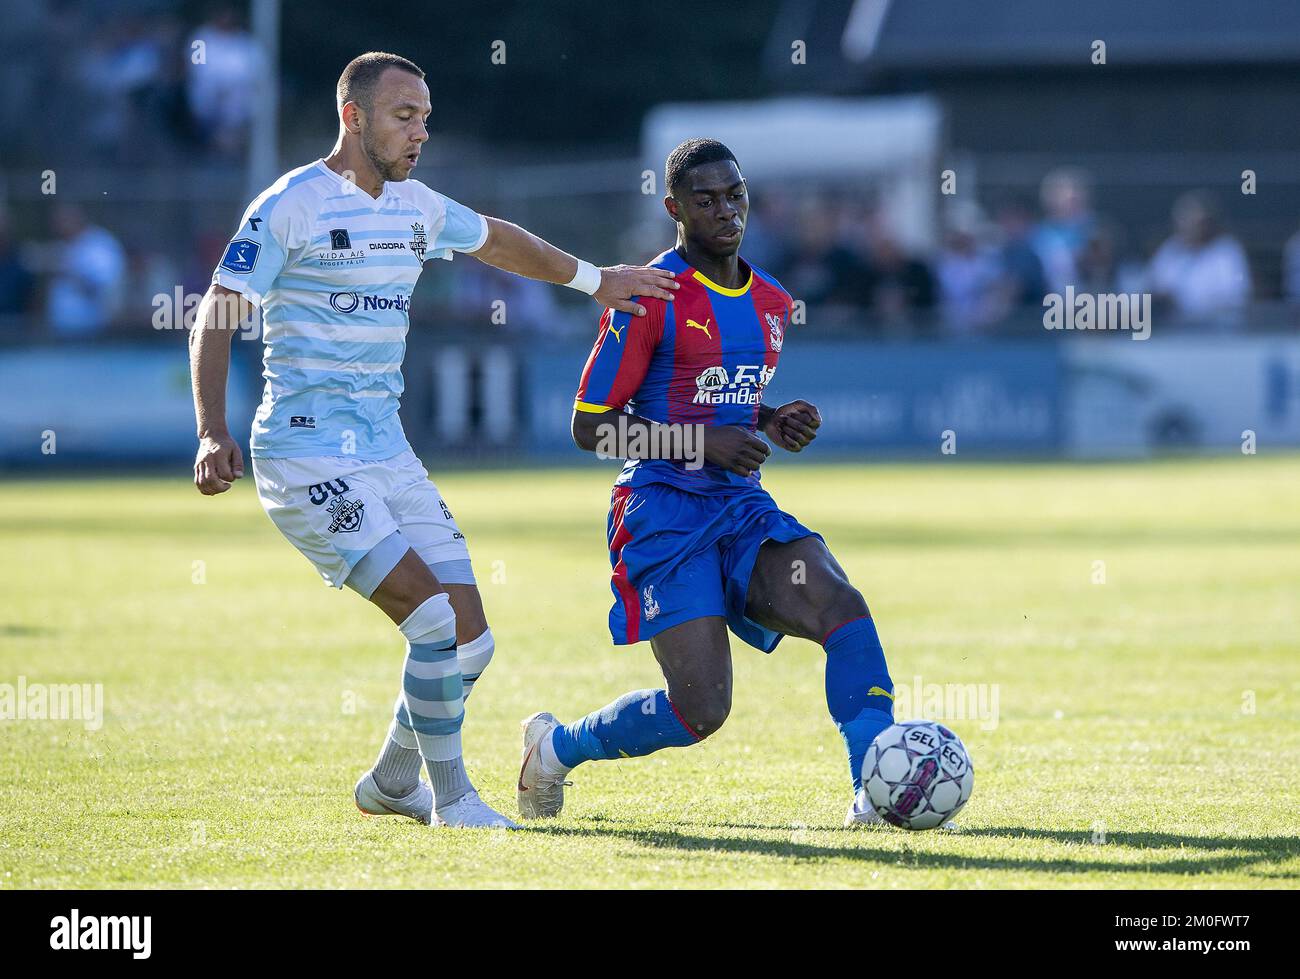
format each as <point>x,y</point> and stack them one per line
<point>846,604</point>
<point>705,710</point>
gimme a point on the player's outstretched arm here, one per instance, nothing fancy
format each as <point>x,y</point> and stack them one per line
<point>510,247</point>
<point>792,426</point>
<point>221,313</point>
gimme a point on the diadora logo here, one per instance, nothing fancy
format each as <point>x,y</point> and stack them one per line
<point>701,326</point>
<point>383,246</point>
<point>716,387</point>
<point>776,330</point>
<point>347,302</point>
<point>347,515</point>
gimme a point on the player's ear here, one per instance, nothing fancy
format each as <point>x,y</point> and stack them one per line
<point>351,116</point>
<point>670,205</point>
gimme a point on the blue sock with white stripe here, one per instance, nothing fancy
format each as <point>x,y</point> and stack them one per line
<point>636,724</point>
<point>433,696</point>
<point>859,691</point>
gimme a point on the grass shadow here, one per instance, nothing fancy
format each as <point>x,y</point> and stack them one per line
<point>1226,853</point>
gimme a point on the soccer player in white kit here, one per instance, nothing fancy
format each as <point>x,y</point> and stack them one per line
<point>331,253</point>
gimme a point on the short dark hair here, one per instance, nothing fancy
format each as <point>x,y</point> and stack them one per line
<point>691,154</point>
<point>357,83</point>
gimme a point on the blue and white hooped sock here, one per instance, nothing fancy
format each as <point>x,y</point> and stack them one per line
<point>433,696</point>
<point>474,658</point>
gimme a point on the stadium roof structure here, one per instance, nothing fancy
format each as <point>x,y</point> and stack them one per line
<point>851,40</point>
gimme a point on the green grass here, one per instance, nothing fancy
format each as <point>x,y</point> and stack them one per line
<point>241,710</point>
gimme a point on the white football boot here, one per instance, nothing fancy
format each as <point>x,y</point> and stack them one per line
<point>418,805</point>
<point>540,793</point>
<point>471,812</point>
<point>862,812</point>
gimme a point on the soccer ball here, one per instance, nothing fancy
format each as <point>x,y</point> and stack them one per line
<point>917,774</point>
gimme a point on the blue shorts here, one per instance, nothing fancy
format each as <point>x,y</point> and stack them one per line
<point>679,556</point>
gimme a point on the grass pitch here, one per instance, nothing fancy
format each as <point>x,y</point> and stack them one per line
<point>1148,706</point>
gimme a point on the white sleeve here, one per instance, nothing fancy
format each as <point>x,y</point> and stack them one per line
<point>453,226</point>
<point>259,250</point>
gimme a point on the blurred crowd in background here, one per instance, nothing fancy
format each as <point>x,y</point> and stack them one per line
<point>139,97</point>
<point>992,267</point>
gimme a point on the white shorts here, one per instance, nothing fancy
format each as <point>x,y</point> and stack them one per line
<point>336,509</point>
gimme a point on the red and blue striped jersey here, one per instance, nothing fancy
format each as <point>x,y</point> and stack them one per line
<point>702,359</point>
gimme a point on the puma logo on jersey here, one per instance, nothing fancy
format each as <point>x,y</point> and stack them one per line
<point>701,326</point>
<point>618,334</point>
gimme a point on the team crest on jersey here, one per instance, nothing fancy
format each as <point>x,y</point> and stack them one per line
<point>419,240</point>
<point>346,515</point>
<point>651,605</point>
<point>241,256</point>
<point>776,330</point>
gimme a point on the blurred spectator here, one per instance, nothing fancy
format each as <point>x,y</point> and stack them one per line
<point>768,222</point>
<point>85,289</point>
<point>900,286</point>
<point>1200,271</point>
<point>1104,266</point>
<point>968,276</point>
<point>224,72</point>
<point>122,77</point>
<point>1066,226</point>
<point>1291,270</point>
<point>820,269</point>
<point>15,280</point>
<point>1021,270</point>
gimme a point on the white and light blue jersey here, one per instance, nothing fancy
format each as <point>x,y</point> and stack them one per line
<point>333,270</point>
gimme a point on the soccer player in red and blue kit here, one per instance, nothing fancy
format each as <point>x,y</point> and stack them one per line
<point>697,545</point>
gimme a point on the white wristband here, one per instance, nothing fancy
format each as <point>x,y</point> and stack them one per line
<point>586,279</point>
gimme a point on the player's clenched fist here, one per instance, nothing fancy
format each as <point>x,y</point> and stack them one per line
<point>619,283</point>
<point>794,425</point>
<point>734,448</point>
<point>218,464</point>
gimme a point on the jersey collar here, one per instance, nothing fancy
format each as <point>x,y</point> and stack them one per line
<point>352,190</point>
<point>710,284</point>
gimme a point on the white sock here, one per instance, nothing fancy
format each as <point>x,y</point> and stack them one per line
<point>550,764</point>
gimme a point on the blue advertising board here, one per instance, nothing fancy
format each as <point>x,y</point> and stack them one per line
<point>106,403</point>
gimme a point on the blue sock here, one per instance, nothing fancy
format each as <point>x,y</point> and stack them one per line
<point>636,724</point>
<point>859,692</point>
